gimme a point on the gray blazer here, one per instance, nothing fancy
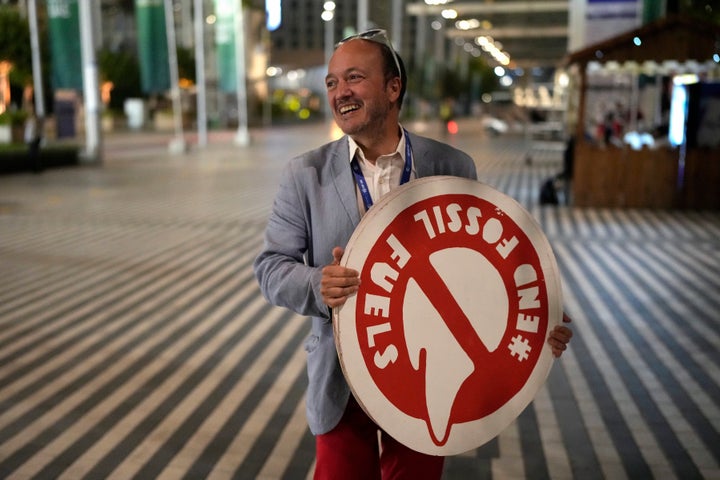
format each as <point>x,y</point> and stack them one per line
<point>314,211</point>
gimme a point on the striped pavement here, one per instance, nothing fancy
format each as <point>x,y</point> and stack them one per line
<point>134,342</point>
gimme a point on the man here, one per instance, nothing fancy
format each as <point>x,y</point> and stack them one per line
<point>323,194</point>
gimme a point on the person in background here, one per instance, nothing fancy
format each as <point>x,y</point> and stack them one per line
<point>447,115</point>
<point>323,194</point>
<point>33,137</point>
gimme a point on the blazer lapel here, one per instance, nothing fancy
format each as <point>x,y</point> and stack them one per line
<point>423,168</point>
<point>343,179</point>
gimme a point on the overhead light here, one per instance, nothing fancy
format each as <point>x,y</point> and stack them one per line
<point>449,14</point>
<point>468,24</point>
<point>493,48</point>
<point>563,79</point>
<point>328,12</point>
<point>685,79</point>
<point>273,13</point>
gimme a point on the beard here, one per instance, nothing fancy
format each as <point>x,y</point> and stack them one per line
<point>371,124</point>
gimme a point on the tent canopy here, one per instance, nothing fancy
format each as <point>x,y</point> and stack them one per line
<point>678,38</point>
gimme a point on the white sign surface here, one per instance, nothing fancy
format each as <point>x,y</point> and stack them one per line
<point>445,342</point>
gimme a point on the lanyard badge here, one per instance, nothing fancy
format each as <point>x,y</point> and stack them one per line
<point>360,178</point>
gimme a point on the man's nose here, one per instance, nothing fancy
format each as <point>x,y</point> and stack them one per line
<point>343,88</point>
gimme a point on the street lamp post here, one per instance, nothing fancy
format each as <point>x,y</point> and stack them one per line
<point>36,67</point>
<point>91,89</point>
<point>242,137</point>
<point>328,17</point>
<point>397,22</point>
<point>199,24</point>
<point>177,145</point>
<point>362,15</point>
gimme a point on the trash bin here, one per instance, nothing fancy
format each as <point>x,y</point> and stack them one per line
<point>135,112</point>
<point>65,117</point>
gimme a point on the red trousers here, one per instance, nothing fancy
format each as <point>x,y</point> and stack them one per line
<point>352,451</point>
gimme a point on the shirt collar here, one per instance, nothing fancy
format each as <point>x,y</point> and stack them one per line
<point>354,148</point>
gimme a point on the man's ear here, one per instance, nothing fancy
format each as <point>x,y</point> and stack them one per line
<point>394,87</point>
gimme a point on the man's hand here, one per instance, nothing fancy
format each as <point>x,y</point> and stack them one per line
<point>337,282</point>
<point>560,336</point>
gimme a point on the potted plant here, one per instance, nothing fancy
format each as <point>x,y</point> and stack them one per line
<point>17,125</point>
<point>107,120</point>
<point>5,127</point>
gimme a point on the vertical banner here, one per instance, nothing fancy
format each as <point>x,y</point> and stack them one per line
<point>225,44</point>
<point>608,18</point>
<point>152,46</point>
<point>64,31</point>
<point>653,10</point>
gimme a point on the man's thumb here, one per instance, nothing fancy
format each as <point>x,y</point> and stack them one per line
<point>337,255</point>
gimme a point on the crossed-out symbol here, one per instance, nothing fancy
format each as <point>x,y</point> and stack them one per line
<point>454,350</point>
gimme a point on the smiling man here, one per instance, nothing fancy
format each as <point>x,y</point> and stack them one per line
<point>366,100</point>
<point>323,194</point>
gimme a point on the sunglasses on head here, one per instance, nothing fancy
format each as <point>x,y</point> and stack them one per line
<point>377,35</point>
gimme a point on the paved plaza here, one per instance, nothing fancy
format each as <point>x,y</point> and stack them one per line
<point>135,344</point>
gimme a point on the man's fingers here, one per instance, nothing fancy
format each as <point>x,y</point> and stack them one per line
<point>337,283</point>
<point>337,275</point>
<point>559,338</point>
<point>562,333</point>
<point>336,296</point>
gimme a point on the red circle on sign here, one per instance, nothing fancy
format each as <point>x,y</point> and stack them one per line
<point>400,382</point>
<point>447,333</point>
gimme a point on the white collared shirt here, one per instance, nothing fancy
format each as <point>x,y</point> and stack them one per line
<point>384,175</point>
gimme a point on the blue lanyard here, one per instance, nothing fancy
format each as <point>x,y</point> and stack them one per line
<point>360,178</point>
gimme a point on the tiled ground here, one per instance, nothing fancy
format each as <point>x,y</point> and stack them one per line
<point>134,342</point>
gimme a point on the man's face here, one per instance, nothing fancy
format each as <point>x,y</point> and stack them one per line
<point>359,96</point>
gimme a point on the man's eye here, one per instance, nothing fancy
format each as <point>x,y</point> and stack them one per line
<point>330,84</point>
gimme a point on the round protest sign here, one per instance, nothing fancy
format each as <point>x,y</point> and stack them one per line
<point>444,344</point>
